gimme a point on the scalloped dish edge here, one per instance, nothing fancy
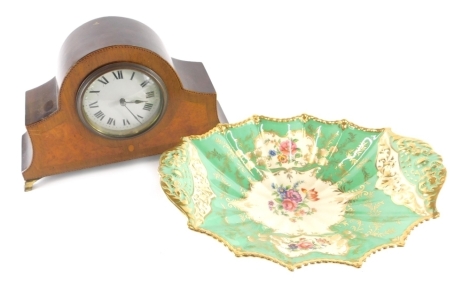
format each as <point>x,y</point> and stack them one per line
<point>343,123</point>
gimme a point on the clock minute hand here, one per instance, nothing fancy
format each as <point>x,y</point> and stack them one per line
<point>123,103</point>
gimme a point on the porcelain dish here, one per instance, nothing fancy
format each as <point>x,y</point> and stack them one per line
<point>303,190</point>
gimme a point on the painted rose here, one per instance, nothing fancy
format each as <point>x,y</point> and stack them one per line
<point>304,244</point>
<point>282,158</point>
<point>289,205</point>
<point>293,195</point>
<point>290,201</point>
<point>288,147</point>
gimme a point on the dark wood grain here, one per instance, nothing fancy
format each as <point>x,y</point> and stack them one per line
<point>41,102</point>
<point>59,142</point>
<point>193,76</point>
<point>104,32</point>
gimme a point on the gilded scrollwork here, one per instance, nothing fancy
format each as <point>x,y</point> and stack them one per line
<point>429,172</point>
<point>174,180</point>
<point>186,171</point>
<point>202,195</point>
<point>392,181</point>
<point>412,175</point>
<point>303,190</point>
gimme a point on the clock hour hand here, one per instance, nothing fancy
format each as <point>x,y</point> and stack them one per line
<point>136,102</point>
<point>123,103</point>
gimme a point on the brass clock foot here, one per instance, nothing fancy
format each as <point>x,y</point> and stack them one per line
<point>28,185</point>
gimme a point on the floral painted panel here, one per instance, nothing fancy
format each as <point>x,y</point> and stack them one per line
<point>303,190</point>
<point>301,203</point>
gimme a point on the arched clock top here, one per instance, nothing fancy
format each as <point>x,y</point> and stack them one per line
<point>105,32</point>
<point>104,105</point>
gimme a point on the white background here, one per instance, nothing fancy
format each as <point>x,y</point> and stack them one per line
<point>398,64</point>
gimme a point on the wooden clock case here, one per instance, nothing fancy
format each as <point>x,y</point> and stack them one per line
<point>56,140</point>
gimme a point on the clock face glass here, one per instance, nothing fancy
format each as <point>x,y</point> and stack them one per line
<point>121,100</point>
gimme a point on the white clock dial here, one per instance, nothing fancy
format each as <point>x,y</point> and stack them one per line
<point>121,100</point>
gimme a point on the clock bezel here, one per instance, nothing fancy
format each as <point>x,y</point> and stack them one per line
<point>90,78</point>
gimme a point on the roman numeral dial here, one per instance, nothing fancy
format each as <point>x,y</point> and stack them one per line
<point>117,74</point>
<point>121,100</point>
<point>103,80</point>
<point>148,106</point>
<point>99,115</point>
<point>144,83</point>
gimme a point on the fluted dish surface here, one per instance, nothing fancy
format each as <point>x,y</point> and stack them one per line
<point>303,190</point>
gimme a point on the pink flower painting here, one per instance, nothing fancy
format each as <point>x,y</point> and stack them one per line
<point>288,147</point>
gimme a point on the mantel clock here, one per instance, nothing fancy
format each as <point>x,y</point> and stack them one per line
<point>117,95</point>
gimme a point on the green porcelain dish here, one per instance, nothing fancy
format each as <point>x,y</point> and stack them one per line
<point>303,190</point>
